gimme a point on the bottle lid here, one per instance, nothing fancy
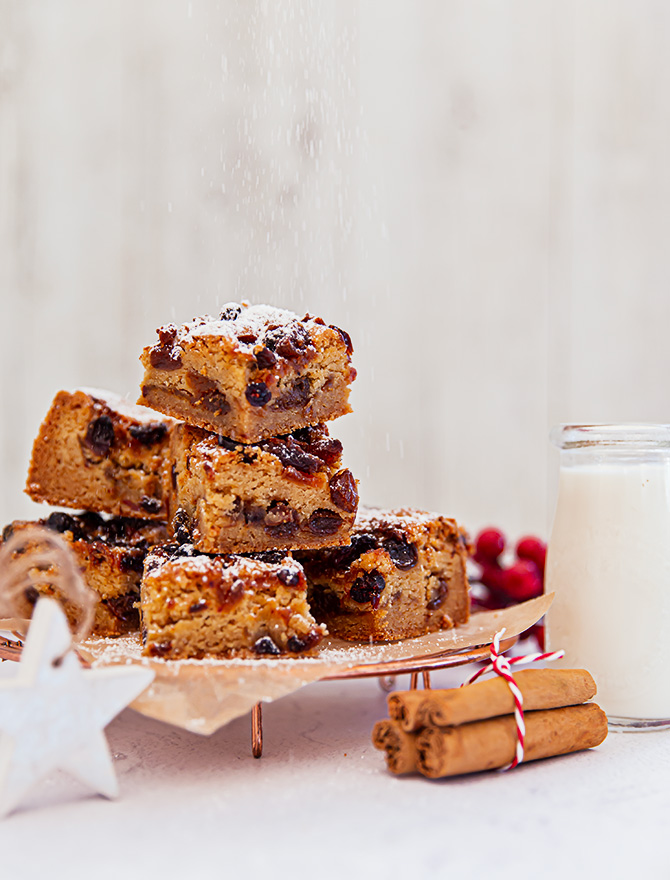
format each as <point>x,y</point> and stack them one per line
<point>626,436</point>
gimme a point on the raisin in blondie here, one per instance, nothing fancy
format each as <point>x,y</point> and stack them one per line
<point>95,451</point>
<point>402,575</point>
<point>253,372</point>
<point>110,553</point>
<point>195,605</point>
<point>290,491</point>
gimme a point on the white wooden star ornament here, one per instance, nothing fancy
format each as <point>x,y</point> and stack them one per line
<point>53,711</point>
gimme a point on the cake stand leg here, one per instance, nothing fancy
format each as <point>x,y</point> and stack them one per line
<point>414,680</point>
<point>257,731</point>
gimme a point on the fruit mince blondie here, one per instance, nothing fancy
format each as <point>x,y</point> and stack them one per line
<point>94,451</point>
<point>402,575</point>
<point>279,493</point>
<point>253,372</point>
<point>110,554</point>
<point>194,605</point>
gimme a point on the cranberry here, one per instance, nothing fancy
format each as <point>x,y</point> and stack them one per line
<point>532,549</point>
<point>489,544</point>
<point>523,581</point>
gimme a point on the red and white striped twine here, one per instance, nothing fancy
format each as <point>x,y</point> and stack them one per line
<point>502,667</point>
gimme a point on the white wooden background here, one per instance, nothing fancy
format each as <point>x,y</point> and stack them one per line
<point>478,190</point>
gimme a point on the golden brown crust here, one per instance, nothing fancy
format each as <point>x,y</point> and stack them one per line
<point>275,494</point>
<point>110,554</point>
<point>403,575</point>
<point>197,606</point>
<point>97,452</point>
<point>260,373</point>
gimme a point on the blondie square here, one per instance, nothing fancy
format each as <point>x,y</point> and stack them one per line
<point>279,493</point>
<point>110,553</point>
<point>194,605</point>
<point>402,575</point>
<point>95,451</point>
<point>253,372</point>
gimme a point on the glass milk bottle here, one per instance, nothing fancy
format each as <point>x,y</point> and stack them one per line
<point>609,564</point>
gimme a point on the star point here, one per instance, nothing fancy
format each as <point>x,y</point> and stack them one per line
<point>53,711</point>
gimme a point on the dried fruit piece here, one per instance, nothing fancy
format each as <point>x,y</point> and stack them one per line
<point>258,393</point>
<point>290,577</point>
<point>265,359</point>
<point>343,491</point>
<point>265,645</point>
<point>230,312</point>
<point>292,454</point>
<point>148,434</point>
<point>100,435</point>
<point>324,522</point>
<point>166,355</point>
<point>368,588</point>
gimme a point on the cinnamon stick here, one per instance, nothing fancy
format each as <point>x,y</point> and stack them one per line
<point>485,745</point>
<point>400,747</point>
<point>541,689</point>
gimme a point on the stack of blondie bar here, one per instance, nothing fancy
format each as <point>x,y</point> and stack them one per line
<point>229,522</point>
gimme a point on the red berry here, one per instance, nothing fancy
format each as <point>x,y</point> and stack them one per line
<point>538,631</point>
<point>493,577</point>
<point>533,549</point>
<point>489,544</point>
<point>523,580</point>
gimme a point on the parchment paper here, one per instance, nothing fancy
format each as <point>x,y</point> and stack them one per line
<point>204,695</point>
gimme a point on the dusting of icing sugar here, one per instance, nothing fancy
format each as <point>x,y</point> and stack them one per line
<point>254,320</point>
<point>402,518</point>
<point>238,568</point>
<point>123,406</point>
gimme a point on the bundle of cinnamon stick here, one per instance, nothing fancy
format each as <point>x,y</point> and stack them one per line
<point>464,730</point>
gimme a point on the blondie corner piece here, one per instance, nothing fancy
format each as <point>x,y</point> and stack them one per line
<point>95,451</point>
<point>253,372</point>
<point>110,554</point>
<point>279,493</point>
<point>195,605</point>
<point>402,575</point>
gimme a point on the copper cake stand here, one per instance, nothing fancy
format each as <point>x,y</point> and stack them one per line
<point>385,672</point>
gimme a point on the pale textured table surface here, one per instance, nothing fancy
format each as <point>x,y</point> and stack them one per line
<point>321,804</point>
